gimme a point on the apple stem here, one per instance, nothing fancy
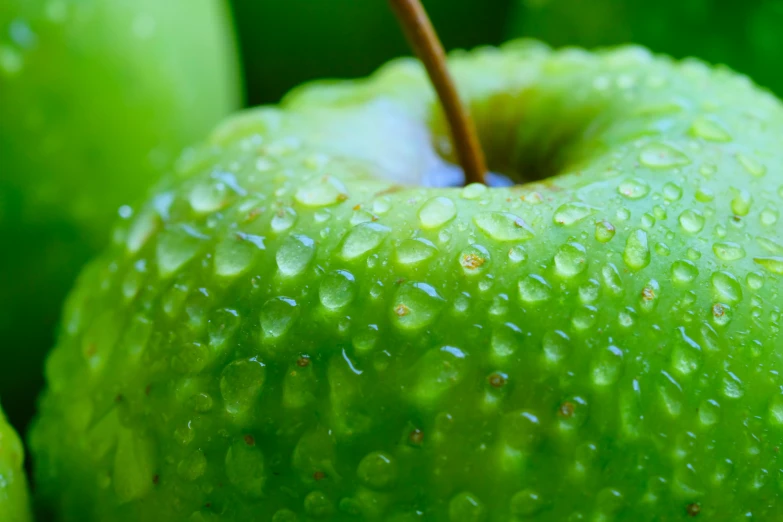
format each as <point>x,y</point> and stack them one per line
<point>425,43</point>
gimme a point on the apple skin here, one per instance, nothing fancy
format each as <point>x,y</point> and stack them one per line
<point>14,497</point>
<point>744,35</point>
<point>344,38</point>
<point>294,328</point>
<point>98,98</point>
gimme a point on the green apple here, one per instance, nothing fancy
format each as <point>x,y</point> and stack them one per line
<point>343,38</point>
<point>14,499</point>
<point>303,323</point>
<point>97,97</point>
<point>744,35</point>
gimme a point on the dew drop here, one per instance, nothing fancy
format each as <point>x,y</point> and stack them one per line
<point>505,341</point>
<point>773,265</point>
<point>672,192</point>
<point>436,212</point>
<point>733,387</point>
<point>503,226</point>
<point>709,412</point>
<point>556,347</point>
<point>769,217</point>
<point>571,213</point>
<point>474,191</point>
<point>607,367</point>
<point>236,253</point>
<point>438,371</point>
<point>193,466</point>
<point>612,280</point>
<point>294,255</point>
<point>604,231</point>
<point>240,384</point>
<point>728,251</point>
<point>692,221</point>
<point>637,253</point>
<point>320,191</point>
<point>362,239</point>
<point>686,355</point>
<point>742,202</point>
<point>337,290</point>
<point>534,289</point>
<point>661,156</point>
<point>283,219</point>
<point>570,260</point>
<point>517,254</point>
<point>466,507</point>
<point>414,251</point>
<point>752,165</point>
<point>378,471</point>
<point>245,467</point>
<point>176,247</point>
<point>277,317</point>
<point>521,430</point>
<point>726,287</point>
<point>709,129</point>
<point>416,305</point>
<point>474,260</point>
<point>526,503</point>
<point>634,188</point>
<point>684,272</point>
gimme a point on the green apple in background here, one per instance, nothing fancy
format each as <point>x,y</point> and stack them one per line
<point>97,97</point>
<point>304,323</point>
<point>744,35</point>
<point>14,499</point>
<point>344,38</point>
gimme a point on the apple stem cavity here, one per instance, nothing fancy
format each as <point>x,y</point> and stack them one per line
<point>425,44</point>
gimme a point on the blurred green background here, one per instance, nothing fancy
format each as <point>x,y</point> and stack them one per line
<point>282,43</point>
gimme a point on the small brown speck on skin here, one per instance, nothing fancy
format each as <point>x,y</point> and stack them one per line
<point>399,281</point>
<point>155,479</point>
<point>342,197</point>
<point>118,398</point>
<point>401,310</point>
<point>472,261</point>
<point>648,294</point>
<point>319,476</point>
<point>147,389</point>
<point>303,361</point>
<point>693,509</point>
<point>208,505</point>
<point>357,207</point>
<point>416,437</point>
<point>496,380</point>
<point>718,310</point>
<point>566,409</point>
<point>249,440</point>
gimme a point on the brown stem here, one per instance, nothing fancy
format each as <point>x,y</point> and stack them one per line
<point>425,43</point>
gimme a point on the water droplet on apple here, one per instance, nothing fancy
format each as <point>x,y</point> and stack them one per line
<point>770,264</point>
<point>686,355</point>
<point>604,231</point>
<point>769,216</point>
<point>436,212</point>
<point>294,255</point>
<point>505,341</point>
<point>240,384</point>
<point>363,239</point>
<point>726,287</point>
<point>634,188</point>
<point>193,466</point>
<point>607,368</point>
<point>466,507</point>
<point>320,191</point>
<point>517,254</point>
<point>752,165</point>
<point>176,247</point>
<point>526,503</point>
<point>710,129</point>
<point>662,156</point>
<point>556,347</point>
<point>474,191</point>
<point>612,280</point>
<point>245,468</point>
<point>378,471</point>
<point>742,202</point>
<point>337,290</point>
<point>416,305</point>
<point>637,252</point>
<point>571,213</point>
<point>534,289</point>
<point>236,254</point>
<point>684,272</point>
<point>570,260</point>
<point>728,251</point>
<point>672,192</point>
<point>277,317</point>
<point>503,226</point>
<point>692,221</point>
<point>733,387</point>
<point>474,260</point>
<point>413,251</point>
<point>283,219</point>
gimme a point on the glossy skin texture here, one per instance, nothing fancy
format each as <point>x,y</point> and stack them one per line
<point>292,329</point>
<point>14,499</point>
<point>344,38</point>
<point>744,35</point>
<point>97,98</point>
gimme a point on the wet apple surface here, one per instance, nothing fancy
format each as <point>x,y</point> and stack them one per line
<point>294,328</point>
